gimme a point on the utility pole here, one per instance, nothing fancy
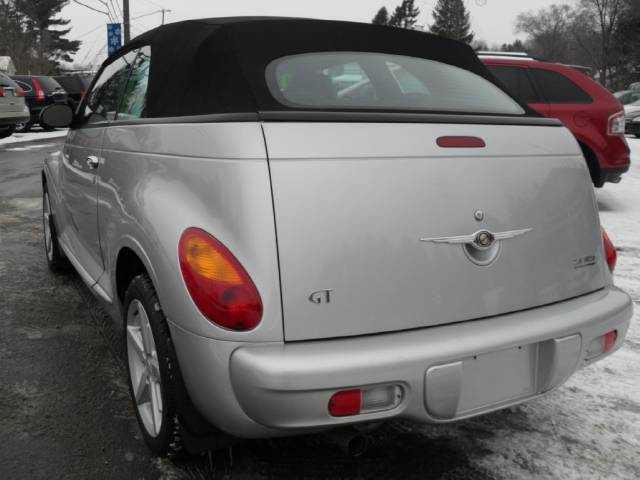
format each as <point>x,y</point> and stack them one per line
<point>164,10</point>
<point>125,19</point>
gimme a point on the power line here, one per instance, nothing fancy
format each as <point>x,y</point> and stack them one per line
<point>146,14</point>
<point>113,18</point>
<point>87,33</point>
<point>119,9</point>
<point>153,3</point>
<point>92,8</point>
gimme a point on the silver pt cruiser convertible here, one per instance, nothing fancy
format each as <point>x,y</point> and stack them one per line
<point>303,225</point>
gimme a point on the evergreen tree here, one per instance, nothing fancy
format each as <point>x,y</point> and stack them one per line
<point>382,17</point>
<point>405,15</point>
<point>30,34</point>
<point>451,20</point>
<point>517,46</point>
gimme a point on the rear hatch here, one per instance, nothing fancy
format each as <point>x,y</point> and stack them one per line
<point>9,99</point>
<point>53,89</point>
<point>354,200</point>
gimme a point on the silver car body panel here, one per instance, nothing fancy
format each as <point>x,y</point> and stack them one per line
<point>266,389</point>
<point>353,201</point>
<point>154,181</point>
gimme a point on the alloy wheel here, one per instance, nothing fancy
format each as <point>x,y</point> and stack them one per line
<point>144,370</point>
<point>46,223</point>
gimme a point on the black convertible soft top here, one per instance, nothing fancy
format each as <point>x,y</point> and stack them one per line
<point>217,65</point>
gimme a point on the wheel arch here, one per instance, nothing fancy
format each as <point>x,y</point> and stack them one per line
<point>130,261</point>
<point>592,163</point>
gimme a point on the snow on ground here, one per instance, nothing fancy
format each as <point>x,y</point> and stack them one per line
<point>33,136</point>
<point>590,427</point>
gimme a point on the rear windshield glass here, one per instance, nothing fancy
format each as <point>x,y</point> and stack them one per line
<point>377,81</point>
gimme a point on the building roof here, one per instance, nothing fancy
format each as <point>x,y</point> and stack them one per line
<point>7,65</point>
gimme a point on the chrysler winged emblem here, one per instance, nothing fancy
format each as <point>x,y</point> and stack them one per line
<point>481,247</point>
<point>482,239</point>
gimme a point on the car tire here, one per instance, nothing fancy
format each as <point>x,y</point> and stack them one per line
<point>56,260</point>
<point>7,132</point>
<point>637,135</point>
<point>47,129</point>
<point>152,368</point>
<point>24,127</point>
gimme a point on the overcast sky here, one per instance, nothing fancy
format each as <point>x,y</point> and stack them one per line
<point>492,20</point>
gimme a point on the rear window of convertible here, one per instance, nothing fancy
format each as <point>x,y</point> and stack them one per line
<point>377,81</point>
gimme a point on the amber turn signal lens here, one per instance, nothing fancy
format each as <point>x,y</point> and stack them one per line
<point>218,284</point>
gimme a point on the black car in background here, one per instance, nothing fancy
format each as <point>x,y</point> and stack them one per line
<point>75,86</point>
<point>39,91</point>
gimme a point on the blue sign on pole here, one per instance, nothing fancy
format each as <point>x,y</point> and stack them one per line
<point>114,37</point>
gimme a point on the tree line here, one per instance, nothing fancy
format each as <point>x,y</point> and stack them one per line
<point>451,19</point>
<point>33,35</point>
<point>601,34</point>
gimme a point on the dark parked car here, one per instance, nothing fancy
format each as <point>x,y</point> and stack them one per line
<point>75,86</point>
<point>39,91</point>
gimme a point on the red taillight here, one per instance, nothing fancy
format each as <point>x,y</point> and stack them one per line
<point>609,251</point>
<point>1,92</point>
<point>610,340</point>
<point>20,93</point>
<point>219,286</point>
<point>460,142</point>
<point>38,89</point>
<point>616,124</point>
<point>345,403</point>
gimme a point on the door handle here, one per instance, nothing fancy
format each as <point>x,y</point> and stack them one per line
<point>93,162</point>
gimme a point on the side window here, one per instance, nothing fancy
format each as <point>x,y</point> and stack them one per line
<point>557,88</point>
<point>103,100</point>
<point>134,100</point>
<point>518,82</point>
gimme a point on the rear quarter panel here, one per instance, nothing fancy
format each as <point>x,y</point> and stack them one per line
<point>157,180</point>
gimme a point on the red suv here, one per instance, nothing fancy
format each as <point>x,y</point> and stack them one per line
<point>590,111</point>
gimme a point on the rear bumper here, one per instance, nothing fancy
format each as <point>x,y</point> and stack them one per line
<point>614,175</point>
<point>11,118</point>
<point>279,389</point>
<point>614,157</point>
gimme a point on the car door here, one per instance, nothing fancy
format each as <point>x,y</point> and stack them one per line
<point>81,163</point>
<point>518,81</point>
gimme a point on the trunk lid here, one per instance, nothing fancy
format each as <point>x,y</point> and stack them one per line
<point>353,201</point>
<point>10,101</point>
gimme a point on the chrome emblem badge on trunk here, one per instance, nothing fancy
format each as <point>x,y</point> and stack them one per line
<point>481,247</point>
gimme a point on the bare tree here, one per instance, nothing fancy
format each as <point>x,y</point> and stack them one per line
<point>604,16</point>
<point>549,31</point>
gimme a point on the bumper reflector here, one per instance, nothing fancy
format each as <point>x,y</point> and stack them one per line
<point>602,344</point>
<point>365,400</point>
<point>345,403</point>
<point>610,340</point>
